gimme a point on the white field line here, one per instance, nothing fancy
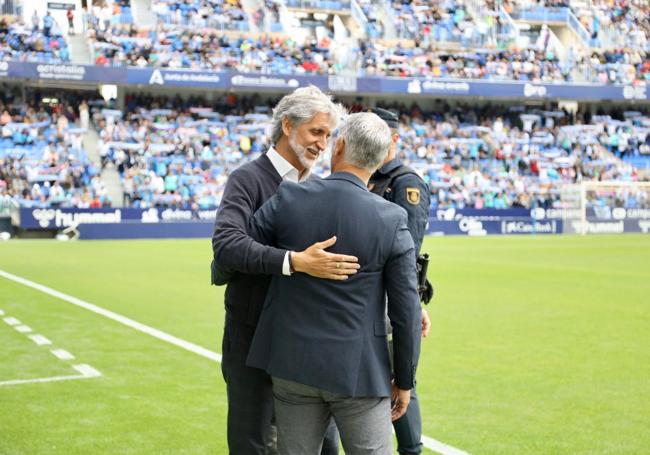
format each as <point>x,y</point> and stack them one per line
<point>62,354</point>
<point>428,442</point>
<point>12,321</point>
<point>441,447</point>
<point>40,340</point>
<point>86,372</point>
<point>23,328</point>
<point>2,313</point>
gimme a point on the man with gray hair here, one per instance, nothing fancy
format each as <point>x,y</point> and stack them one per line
<point>302,122</point>
<point>324,342</point>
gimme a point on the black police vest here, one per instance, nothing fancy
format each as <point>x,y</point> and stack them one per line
<point>383,186</point>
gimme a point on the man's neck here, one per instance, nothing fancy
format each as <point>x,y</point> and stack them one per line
<point>285,151</point>
<point>390,157</point>
<point>362,174</point>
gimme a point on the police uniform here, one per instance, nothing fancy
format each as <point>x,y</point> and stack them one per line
<point>406,189</point>
<point>401,185</point>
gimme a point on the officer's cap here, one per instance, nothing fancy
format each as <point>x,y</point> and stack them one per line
<point>391,119</point>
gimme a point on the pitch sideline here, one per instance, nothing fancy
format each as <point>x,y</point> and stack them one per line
<point>428,442</point>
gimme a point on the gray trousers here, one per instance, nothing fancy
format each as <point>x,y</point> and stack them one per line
<point>303,413</point>
<point>250,399</point>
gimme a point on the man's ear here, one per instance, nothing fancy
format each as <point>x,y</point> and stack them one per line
<point>339,148</point>
<point>286,126</point>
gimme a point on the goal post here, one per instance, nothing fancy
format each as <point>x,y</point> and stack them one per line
<point>595,207</point>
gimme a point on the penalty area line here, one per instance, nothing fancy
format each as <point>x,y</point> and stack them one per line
<point>86,372</point>
<point>428,442</point>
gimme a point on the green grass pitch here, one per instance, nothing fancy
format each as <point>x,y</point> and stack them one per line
<point>539,345</point>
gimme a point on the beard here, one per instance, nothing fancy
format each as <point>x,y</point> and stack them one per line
<point>303,153</point>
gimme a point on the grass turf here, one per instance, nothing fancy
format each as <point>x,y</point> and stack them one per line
<point>538,345</point>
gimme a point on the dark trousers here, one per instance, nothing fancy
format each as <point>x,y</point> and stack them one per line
<point>408,428</point>
<point>250,399</point>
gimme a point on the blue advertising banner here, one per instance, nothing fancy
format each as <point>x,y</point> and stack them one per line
<point>342,84</point>
<point>183,78</point>
<point>169,230</point>
<point>39,218</point>
<point>178,223</point>
<point>509,226</point>
<point>497,89</point>
<point>67,72</point>
<point>224,80</point>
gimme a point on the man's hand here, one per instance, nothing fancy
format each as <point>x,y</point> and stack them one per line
<point>426,323</point>
<point>317,262</point>
<point>400,399</point>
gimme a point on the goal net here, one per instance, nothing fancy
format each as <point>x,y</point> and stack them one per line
<point>605,207</point>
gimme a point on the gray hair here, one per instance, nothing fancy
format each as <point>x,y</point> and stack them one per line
<point>301,106</point>
<point>367,140</point>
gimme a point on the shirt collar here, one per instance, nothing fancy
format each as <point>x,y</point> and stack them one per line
<point>284,168</point>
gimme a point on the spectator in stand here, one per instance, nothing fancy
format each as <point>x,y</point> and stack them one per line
<point>48,23</point>
<point>36,21</point>
<point>70,16</point>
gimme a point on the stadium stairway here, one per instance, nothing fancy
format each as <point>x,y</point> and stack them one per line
<point>109,174</point>
<point>142,14</point>
<point>79,49</point>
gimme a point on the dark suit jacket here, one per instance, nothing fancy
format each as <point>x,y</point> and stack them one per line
<point>332,334</point>
<point>241,261</point>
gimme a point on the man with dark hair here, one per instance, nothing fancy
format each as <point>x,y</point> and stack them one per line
<point>301,125</point>
<point>400,184</point>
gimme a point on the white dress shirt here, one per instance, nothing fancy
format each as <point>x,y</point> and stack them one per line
<point>291,174</point>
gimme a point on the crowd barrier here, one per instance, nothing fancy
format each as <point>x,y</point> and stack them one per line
<point>338,84</point>
<point>130,223</point>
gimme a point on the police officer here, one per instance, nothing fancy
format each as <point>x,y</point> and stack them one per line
<point>400,184</point>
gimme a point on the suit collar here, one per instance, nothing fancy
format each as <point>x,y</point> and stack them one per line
<point>348,178</point>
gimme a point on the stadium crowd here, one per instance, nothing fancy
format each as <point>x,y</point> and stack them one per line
<point>179,153</point>
<point>171,152</point>
<point>187,37</point>
<point>42,41</point>
<point>209,50</point>
<point>217,14</point>
<point>528,65</point>
<point>42,159</point>
<point>191,35</point>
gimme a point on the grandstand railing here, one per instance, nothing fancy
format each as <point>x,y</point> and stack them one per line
<point>579,29</point>
<point>559,14</point>
<point>359,16</point>
<point>541,14</point>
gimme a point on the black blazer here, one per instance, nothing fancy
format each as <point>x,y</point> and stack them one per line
<point>332,334</point>
<point>239,261</point>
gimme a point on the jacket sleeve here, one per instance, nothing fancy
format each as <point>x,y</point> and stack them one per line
<point>263,224</point>
<point>412,194</point>
<point>234,250</point>
<point>404,311</point>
